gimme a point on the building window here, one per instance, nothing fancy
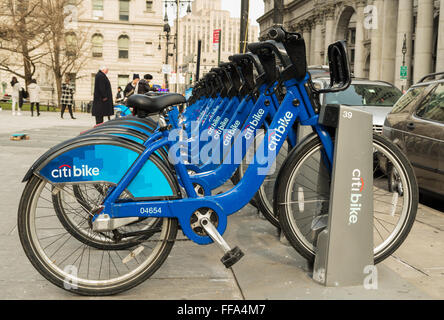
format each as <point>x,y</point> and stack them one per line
<point>124,10</point>
<point>123,44</point>
<point>149,49</point>
<point>97,4</point>
<point>97,9</point>
<point>71,44</point>
<point>353,36</point>
<point>122,80</point>
<point>149,5</point>
<point>97,45</point>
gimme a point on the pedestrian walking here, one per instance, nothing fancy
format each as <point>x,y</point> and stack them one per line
<point>67,97</point>
<point>120,97</point>
<point>132,87</point>
<point>103,96</point>
<point>34,97</point>
<point>16,89</point>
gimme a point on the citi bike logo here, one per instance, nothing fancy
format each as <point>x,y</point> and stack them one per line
<point>357,186</point>
<point>231,132</point>
<point>277,135</point>
<point>220,128</point>
<point>66,171</point>
<point>252,126</point>
<point>213,125</point>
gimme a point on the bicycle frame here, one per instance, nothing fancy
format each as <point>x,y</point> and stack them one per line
<point>296,106</point>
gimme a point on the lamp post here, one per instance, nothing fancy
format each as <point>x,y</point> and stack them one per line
<point>178,4</point>
<point>166,36</point>
<point>404,52</point>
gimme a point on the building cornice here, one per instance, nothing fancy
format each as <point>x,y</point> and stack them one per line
<point>265,16</point>
<point>123,24</point>
<point>294,3</point>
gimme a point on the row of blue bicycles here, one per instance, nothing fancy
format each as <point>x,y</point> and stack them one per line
<point>101,212</point>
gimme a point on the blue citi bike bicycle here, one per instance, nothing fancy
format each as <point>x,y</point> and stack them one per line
<point>101,211</point>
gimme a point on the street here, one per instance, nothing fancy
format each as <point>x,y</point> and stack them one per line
<point>269,270</point>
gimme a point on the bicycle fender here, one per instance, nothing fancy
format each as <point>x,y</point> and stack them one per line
<point>100,159</point>
<point>65,144</point>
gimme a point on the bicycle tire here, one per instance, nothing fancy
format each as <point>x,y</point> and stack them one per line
<point>48,267</point>
<point>294,233</point>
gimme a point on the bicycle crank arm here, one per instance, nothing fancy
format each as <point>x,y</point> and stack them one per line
<point>231,256</point>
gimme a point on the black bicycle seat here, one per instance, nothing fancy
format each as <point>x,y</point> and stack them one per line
<point>154,105</point>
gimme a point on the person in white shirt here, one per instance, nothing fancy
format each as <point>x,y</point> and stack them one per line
<point>16,88</point>
<point>34,97</point>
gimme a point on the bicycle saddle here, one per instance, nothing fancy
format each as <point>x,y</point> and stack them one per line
<point>154,104</point>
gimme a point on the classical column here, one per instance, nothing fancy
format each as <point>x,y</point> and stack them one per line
<point>405,29</point>
<point>440,53</point>
<point>329,15</point>
<point>313,40</point>
<point>388,54</point>
<point>317,57</point>
<point>306,33</point>
<point>359,46</point>
<point>424,39</point>
<point>376,46</point>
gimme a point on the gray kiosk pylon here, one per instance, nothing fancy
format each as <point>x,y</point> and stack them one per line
<point>345,247</point>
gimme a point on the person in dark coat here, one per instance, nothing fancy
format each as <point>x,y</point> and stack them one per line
<point>132,87</point>
<point>67,97</point>
<point>103,97</point>
<point>119,96</point>
<point>144,84</point>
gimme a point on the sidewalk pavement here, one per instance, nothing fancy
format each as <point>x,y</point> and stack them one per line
<point>20,124</point>
<point>269,270</point>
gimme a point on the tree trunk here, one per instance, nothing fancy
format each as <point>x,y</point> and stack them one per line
<point>22,8</point>
<point>57,67</point>
<point>26,64</point>
<point>59,91</point>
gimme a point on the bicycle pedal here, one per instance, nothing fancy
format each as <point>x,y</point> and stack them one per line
<point>231,257</point>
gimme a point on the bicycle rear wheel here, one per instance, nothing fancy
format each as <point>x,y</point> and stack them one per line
<point>302,197</point>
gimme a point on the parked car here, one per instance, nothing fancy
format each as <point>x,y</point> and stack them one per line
<point>416,125</point>
<point>375,97</point>
<point>5,98</point>
<point>319,71</point>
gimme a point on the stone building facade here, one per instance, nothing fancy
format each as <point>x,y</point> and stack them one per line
<point>122,35</point>
<point>375,31</point>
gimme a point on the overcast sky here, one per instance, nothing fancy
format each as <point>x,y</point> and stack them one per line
<point>256,8</point>
<point>234,6</point>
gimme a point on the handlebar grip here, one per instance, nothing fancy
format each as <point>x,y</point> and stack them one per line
<point>256,46</point>
<point>276,34</point>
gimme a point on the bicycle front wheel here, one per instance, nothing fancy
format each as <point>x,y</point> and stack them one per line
<point>303,193</point>
<point>72,264</point>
